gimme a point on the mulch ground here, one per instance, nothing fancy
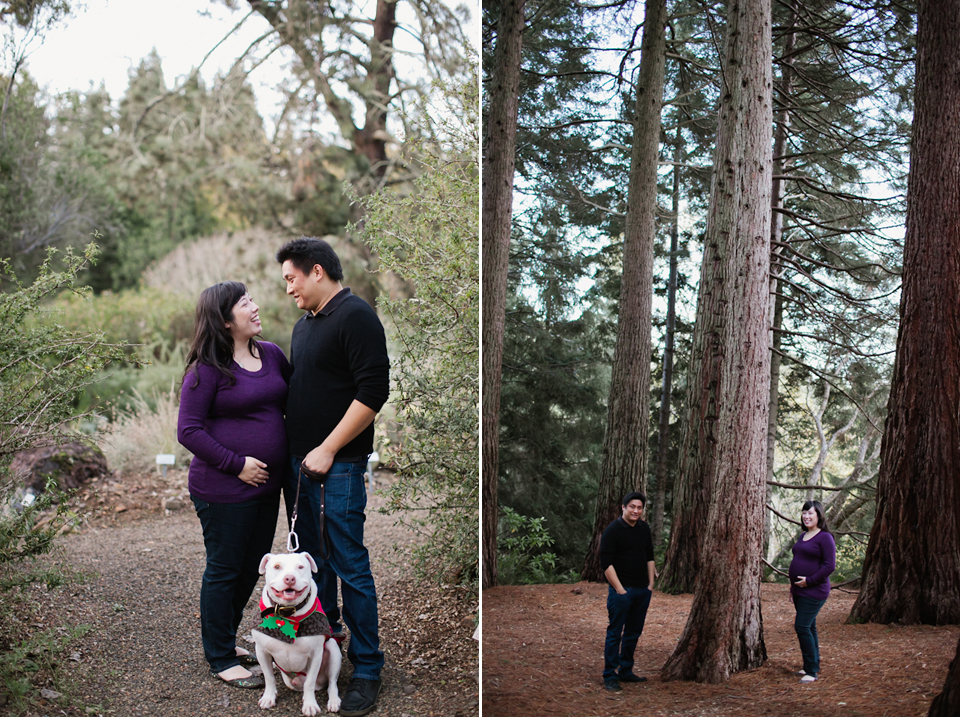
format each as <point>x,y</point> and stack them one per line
<point>543,654</point>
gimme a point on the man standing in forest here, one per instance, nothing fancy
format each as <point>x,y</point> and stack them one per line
<point>626,557</point>
<point>340,381</point>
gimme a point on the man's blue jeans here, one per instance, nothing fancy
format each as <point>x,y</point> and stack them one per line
<point>626,613</point>
<point>236,537</point>
<point>346,498</point>
<point>806,627</point>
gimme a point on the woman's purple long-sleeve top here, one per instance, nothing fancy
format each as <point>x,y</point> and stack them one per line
<point>222,422</point>
<point>815,559</point>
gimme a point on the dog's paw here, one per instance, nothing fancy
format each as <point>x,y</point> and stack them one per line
<point>311,709</point>
<point>333,704</point>
<point>268,701</point>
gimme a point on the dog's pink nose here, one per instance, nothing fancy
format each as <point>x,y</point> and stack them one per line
<point>290,579</point>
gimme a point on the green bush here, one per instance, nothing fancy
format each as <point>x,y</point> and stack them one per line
<point>46,368</point>
<point>522,555</point>
<point>153,326</point>
<point>148,316</point>
<point>429,238</point>
<point>850,554</point>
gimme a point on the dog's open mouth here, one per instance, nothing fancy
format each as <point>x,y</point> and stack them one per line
<point>289,594</point>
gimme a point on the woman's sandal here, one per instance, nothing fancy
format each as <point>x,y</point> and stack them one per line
<point>248,660</point>
<point>251,682</point>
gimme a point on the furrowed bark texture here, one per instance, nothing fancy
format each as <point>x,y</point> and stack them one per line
<point>776,266</point>
<point>624,463</point>
<point>911,572</point>
<point>947,703</point>
<point>663,436</point>
<point>724,633</point>
<point>498,170</point>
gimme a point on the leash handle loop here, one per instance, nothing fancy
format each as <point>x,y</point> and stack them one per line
<point>321,518</point>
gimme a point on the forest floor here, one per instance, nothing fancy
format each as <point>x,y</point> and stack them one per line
<point>139,554</point>
<point>543,654</point>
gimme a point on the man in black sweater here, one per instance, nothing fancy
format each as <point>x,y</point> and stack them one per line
<point>340,381</point>
<point>626,556</point>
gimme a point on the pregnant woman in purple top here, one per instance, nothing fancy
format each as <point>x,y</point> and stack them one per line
<point>232,420</point>
<point>814,558</point>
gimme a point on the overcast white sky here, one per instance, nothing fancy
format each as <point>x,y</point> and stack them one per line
<point>106,39</point>
<point>110,37</point>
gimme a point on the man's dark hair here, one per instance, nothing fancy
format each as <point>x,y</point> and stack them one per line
<point>635,495</point>
<point>306,252</point>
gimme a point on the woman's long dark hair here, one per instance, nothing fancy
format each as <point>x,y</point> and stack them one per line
<point>821,518</point>
<point>212,342</point>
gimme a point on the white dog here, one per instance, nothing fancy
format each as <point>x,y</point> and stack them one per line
<point>294,633</point>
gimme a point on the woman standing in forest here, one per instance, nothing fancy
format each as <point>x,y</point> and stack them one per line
<point>814,558</point>
<point>232,419</point>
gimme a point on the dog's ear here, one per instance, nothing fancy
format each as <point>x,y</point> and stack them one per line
<point>313,564</point>
<point>263,563</point>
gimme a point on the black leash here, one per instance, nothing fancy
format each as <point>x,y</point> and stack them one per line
<point>321,519</point>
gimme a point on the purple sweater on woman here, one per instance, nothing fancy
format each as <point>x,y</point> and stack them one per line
<point>222,422</point>
<point>815,559</point>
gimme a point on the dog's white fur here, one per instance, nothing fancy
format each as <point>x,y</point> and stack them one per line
<point>288,581</point>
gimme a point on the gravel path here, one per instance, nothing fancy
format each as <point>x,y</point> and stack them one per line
<point>144,656</point>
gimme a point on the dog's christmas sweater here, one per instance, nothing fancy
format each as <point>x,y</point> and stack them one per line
<point>287,628</point>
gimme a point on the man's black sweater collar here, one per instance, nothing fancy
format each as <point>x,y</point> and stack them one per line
<point>331,305</point>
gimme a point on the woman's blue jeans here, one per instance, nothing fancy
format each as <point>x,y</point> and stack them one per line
<point>236,537</point>
<point>626,614</point>
<point>806,627</point>
<point>346,499</point>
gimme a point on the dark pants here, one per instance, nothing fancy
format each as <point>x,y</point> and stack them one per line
<point>346,499</point>
<point>806,627</point>
<point>626,614</point>
<point>236,537</point>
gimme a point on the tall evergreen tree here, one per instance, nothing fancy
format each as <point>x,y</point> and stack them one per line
<point>728,420</point>
<point>624,463</point>
<point>911,572</point>
<point>498,176</point>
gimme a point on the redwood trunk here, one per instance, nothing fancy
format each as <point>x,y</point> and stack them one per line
<point>498,170</point>
<point>911,572</point>
<point>776,269</point>
<point>947,703</point>
<point>624,462</point>
<point>692,490</point>
<point>724,633</point>
<point>666,392</point>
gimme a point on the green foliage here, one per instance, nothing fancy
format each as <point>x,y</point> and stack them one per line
<point>152,324</point>
<point>430,239</point>
<point>46,367</point>
<point>553,408</point>
<point>32,654</point>
<point>27,530</point>
<point>522,556</point>
<point>850,553</point>
<point>44,371</point>
<point>148,316</point>
<point>45,198</point>
<point>166,165</point>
